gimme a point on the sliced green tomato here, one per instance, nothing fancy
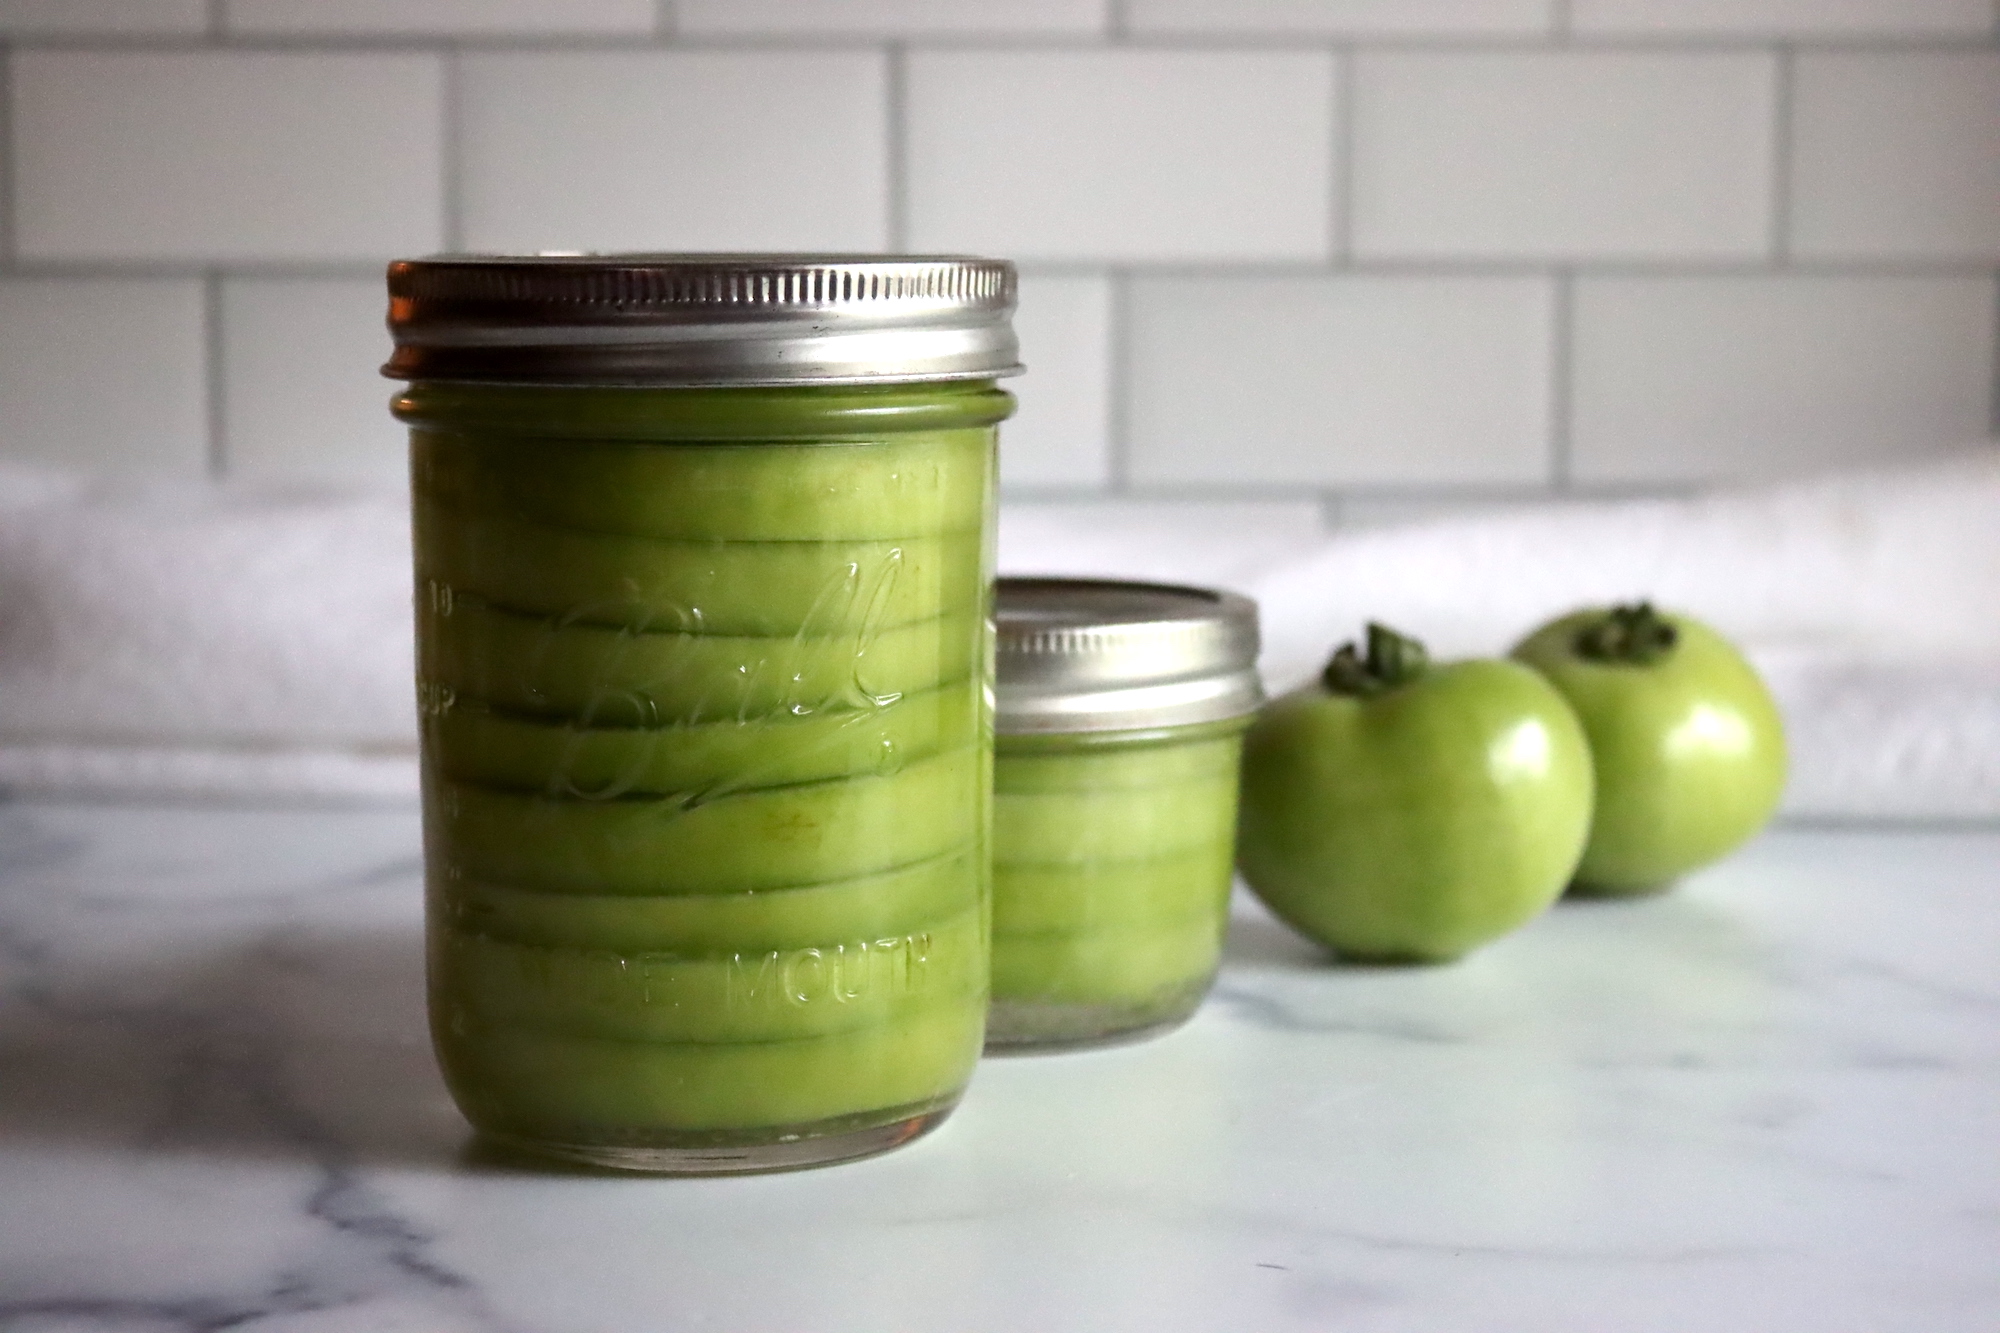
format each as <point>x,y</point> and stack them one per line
<point>1110,882</point>
<point>705,587</point>
<point>732,842</point>
<point>616,678</point>
<point>474,744</point>
<point>915,485</point>
<point>1027,771</point>
<point>1104,966</point>
<point>889,905</point>
<point>752,995</point>
<point>1103,894</point>
<point>573,1089</point>
<point>1114,823</point>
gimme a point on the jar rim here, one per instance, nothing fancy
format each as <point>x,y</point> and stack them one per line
<point>702,320</point>
<point>1075,655</point>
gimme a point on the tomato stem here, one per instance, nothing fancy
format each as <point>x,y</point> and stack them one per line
<point>1633,634</point>
<point>1392,660</point>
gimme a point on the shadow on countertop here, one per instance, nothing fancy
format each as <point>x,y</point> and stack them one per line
<point>1263,943</point>
<point>307,1042</point>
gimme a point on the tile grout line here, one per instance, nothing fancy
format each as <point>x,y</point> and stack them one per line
<point>1525,266</point>
<point>451,151</point>
<point>1118,377</point>
<point>1352,499</point>
<point>1864,266</point>
<point>1562,22</point>
<point>666,21</point>
<point>1783,88</point>
<point>215,19</point>
<point>7,155</point>
<point>214,383</point>
<point>1562,379</point>
<point>1993,425</point>
<point>242,268</point>
<point>1693,44</point>
<point>896,156</point>
<point>1344,101</point>
<point>1363,494</point>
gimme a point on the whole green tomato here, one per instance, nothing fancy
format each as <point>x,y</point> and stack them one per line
<point>1689,747</point>
<point>1403,812</point>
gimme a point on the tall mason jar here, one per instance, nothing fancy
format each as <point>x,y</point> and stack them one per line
<point>704,564</point>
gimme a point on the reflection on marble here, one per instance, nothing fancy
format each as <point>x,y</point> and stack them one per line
<point>1767,1101</point>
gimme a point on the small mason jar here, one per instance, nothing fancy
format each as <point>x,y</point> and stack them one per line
<point>703,559</point>
<point>1121,709</point>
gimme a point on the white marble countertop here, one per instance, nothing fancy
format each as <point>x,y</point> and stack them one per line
<point>1768,1101</point>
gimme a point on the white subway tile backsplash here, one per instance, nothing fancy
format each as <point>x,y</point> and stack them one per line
<point>890,18</point>
<point>220,156</point>
<point>1330,381</point>
<point>1781,17</point>
<point>687,150</point>
<point>1307,251</point>
<point>98,18</point>
<point>1689,378</point>
<point>104,374</point>
<point>1340,18</point>
<point>1121,154</point>
<point>304,398</point>
<point>441,17</point>
<point>1897,155</point>
<point>1568,155</point>
<point>1061,437</point>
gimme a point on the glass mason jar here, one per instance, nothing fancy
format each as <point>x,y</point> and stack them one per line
<point>703,559</point>
<point>1120,720</point>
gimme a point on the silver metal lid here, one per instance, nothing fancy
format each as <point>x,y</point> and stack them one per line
<point>1106,655</point>
<point>701,319</point>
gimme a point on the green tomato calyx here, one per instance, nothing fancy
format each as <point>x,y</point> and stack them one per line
<point>1630,635</point>
<point>1392,660</point>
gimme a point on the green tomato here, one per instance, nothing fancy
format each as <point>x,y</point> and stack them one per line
<point>1395,811</point>
<point>1689,747</point>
